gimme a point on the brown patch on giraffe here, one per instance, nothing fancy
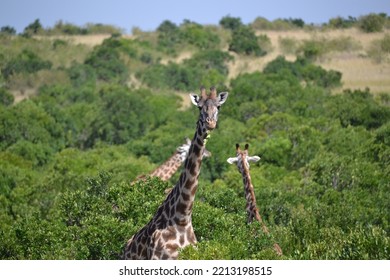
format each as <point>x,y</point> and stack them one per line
<point>157,254</point>
<point>181,208</point>
<point>172,247</point>
<point>200,130</point>
<point>193,191</point>
<point>197,150</point>
<point>194,169</point>
<point>199,141</point>
<point>186,197</point>
<point>189,183</point>
<point>181,240</point>
<point>180,222</point>
<point>168,235</point>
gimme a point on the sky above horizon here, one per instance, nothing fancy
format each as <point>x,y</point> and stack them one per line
<point>148,15</point>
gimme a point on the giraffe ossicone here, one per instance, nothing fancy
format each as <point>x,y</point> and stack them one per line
<point>171,228</point>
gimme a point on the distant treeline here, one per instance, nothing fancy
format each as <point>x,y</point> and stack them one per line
<point>368,23</point>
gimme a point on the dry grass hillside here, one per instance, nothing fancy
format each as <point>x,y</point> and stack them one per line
<point>357,55</point>
<point>360,69</point>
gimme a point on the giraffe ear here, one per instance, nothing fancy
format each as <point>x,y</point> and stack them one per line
<point>232,160</point>
<point>222,98</point>
<point>194,99</point>
<point>253,159</point>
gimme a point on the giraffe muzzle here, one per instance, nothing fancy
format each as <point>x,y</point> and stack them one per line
<point>210,124</point>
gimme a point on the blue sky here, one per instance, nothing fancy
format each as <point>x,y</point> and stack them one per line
<point>148,14</point>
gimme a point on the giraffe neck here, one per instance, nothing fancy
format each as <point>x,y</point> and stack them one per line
<point>168,168</point>
<point>183,194</point>
<point>251,206</point>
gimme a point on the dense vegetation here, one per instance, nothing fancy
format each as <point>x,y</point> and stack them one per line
<point>100,117</point>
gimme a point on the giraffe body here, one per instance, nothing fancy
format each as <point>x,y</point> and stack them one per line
<point>171,227</point>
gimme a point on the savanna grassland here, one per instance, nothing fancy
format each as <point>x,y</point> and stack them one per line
<point>85,110</point>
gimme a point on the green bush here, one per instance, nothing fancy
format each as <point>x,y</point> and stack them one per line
<point>340,22</point>
<point>7,30</point>
<point>168,35</point>
<point>304,70</point>
<point>107,64</point>
<point>372,23</point>
<point>26,62</point>
<point>231,23</point>
<point>244,41</point>
<point>6,98</point>
<point>199,36</point>
<point>357,108</point>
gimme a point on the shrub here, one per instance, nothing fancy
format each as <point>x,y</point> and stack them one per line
<point>244,41</point>
<point>7,30</point>
<point>25,62</point>
<point>168,35</point>
<point>199,36</point>
<point>107,64</point>
<point>6,98</point>
<point>304,70</point>
<point>340,22</point>
<point>312,49</point>
<point>81,74</point>
<point>231,23</point>
<point>357,108</point>
<point>33,28</point>
<point>372,23</point>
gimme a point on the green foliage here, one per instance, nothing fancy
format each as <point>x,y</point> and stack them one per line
<point>360,109</point>
<point>199,36</point>
<point>372,23</point>
<point>6,98</point>
<point>205,67</point>
<point>231,23</point>
<point>61,28</point>
<point>244,41</point>
<point>7,30</point>
<point>340,22</point>
<point>107,64</point>
<point>69,155</point>
<point>33,28</point>
<point>168,34</point>
<point>25,62</point>
<point>305,71</point>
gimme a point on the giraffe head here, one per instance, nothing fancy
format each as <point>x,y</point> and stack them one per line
<point>242,159</point>
<point>209,105</point>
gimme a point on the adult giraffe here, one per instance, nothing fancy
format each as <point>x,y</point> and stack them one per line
<point>242,160</point>
<point>171,227</point>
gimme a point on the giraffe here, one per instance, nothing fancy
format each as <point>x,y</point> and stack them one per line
<point>171,227</point>
<point>242,160</point>
<point>166,170</point>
